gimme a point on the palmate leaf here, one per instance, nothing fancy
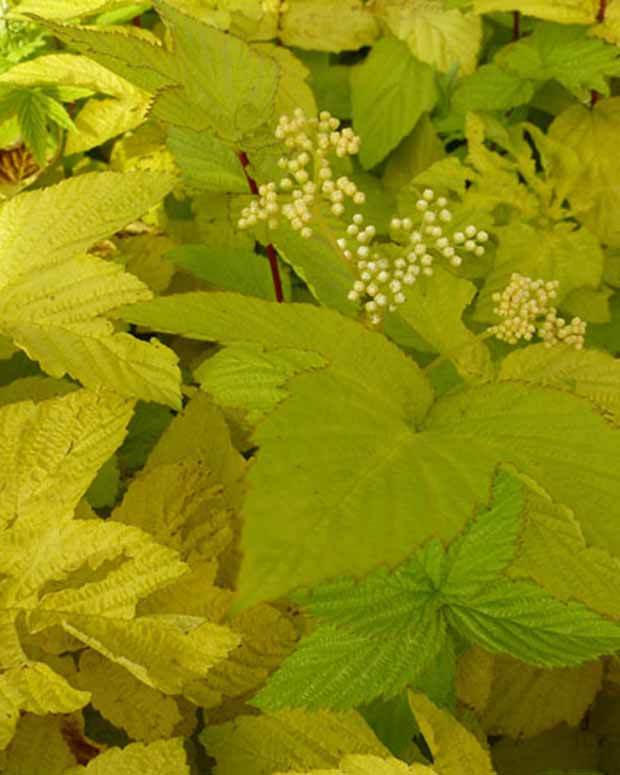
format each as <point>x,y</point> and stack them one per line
<point>165,757</point>
<point>309,24</point>
<point>593,193</point>
<point>440,36</point>
<point>52,299</point>
<point>35,688</point>
<point>213,69</point>
<point>525,701</point>
<point>369,472</point>
<point>122,108</point>
<point>296,739</point>
<point>366,765</point>
<point>564,53</point>
<point>65,439</point>
<point>455,750</point>
<point>389,92</point>
<point>149,716</point>
<point>381,634</point>
<point>86,576</point>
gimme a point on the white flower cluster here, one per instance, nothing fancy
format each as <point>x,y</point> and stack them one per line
<point>382,281</point>
<point>523,303</point>
<point>307,173</point>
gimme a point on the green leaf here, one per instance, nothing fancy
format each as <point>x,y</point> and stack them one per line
<point>478,557</point>
<point>32,117</point>
<point>249,378</point>
<point>319,261</point>
<point>521,619</point>
<point>375,638</point>
<point>228,269</point>
<point>565,53</point>
<point>213,68</point>
<point>491,88</point>
<point>434,308</point>
<point>205,162</point>
<point>389,92</point>
<point>366,471</point>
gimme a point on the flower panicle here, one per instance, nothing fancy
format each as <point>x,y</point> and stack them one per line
<point>526,308</point>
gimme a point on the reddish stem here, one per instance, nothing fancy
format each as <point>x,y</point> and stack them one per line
<point>516,25</point>
<point>600,18</point>
<point>137,21</point>
<point>272,256</point>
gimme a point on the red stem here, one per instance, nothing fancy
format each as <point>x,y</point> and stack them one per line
<point>272,256</point>
<point>516,25</point>
<point>137,21</point>
<point>600,18</point>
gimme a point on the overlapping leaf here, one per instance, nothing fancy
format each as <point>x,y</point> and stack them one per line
<point>53,297</point>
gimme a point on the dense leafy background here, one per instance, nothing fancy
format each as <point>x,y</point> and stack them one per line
<point>244,530</point>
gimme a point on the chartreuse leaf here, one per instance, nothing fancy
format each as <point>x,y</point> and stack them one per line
<point>525,701</point>
<point>38,747</point>
<point>571,256</point>
<point>149,716</point>
<point>564,53</point>
<point>69,9</point>
<point>389,92</point>
<point>491,88</point>
<point>443,37</point>
<point>318,261</point>
<point>299,739</point>
<point>213,68</point>
<point>228,269</point>
<point>167,757</point>
<point>365,765</point>
<point>206,164</point>
<point>66,439</point>
<point>132,54</point>
<point>560,749</point>
<point>250,378</point>
<point>36,688</point>
<point>593,194</point>
<point>293,91</point>
<point>381,634</point>
<point>555,554</point>
<point>434,308</point>
<point>590,373</point>
<point>359,428</point>
<point>456,751</point>
<point>309,24</point>
<point>564,11</point>
<point>53,297</point>
<point>122,108</point>
<point>87,576</point>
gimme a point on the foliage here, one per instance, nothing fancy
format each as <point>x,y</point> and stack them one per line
<point>309,398</point>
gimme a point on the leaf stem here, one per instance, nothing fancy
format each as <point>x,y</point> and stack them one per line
<point>272,256</point>
<point>516,25</point>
